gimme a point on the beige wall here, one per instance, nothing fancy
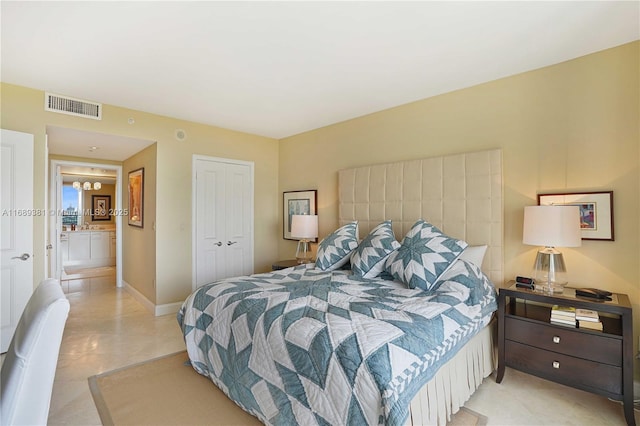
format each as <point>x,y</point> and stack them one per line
<point>139,252</point>
<point>568,127</point>
<point>23,111</point>
<point>174,202</point>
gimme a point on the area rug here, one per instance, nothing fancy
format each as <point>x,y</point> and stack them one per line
<point>165,391</point>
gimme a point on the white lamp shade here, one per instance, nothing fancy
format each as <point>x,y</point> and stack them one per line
<point>86,186</point>
<point>304,226</point>
<point>97,186</point>
<point>552,226</point>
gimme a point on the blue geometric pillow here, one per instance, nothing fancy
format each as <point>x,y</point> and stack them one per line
<point>335,249</point>
<point>425,253</point>
<point>367,261</point>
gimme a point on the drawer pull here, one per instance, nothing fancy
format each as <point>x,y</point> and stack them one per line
<point>556,339</point>
<point>556,364</point>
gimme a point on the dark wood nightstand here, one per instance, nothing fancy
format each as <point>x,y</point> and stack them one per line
<point>283,264</point>
<point>600,362</point>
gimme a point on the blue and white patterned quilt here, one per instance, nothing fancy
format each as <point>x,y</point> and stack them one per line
<point>305,346</point>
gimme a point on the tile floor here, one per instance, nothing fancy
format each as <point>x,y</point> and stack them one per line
<point>108,329</point>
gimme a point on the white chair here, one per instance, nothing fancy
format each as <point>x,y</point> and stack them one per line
<point>30,364</point>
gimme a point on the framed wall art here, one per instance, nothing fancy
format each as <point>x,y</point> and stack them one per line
<point>297,202</point>
<point>136,197</point>
<point>596,211</point>
<point>100,207</point>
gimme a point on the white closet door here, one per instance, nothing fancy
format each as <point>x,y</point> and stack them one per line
<point>238,220</point>
<point>223,223</point>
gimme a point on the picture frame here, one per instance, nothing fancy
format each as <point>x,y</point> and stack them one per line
<point>596,211</point>
<point>100,207</point>
<point>297,202</point>
<point>136,197</point>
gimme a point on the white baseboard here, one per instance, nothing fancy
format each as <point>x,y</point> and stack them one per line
<point>168,308</point>
<point>156,310</point>
<point>148,304</point>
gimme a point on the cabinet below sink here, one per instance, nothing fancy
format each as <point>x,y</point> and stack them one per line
<point>88,248</point>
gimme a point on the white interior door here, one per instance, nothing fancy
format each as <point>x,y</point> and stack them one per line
<point>238,207</point>
<point>16,236</point>
<point>223,219</point>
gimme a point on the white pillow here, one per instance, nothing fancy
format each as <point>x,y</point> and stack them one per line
<point>471,254</point>
<point>474,254</point>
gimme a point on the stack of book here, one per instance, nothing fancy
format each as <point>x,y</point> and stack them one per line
<point>563,315</point>
<point>588,319</point>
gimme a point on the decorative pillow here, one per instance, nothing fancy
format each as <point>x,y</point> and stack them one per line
<point>367,261</point>
<point>335,249</point>
<point>425,253</point>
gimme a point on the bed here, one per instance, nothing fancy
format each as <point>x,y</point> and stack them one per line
<point>379,342</point>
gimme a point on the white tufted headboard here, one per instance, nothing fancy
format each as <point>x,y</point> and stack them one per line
<point>461,194</point>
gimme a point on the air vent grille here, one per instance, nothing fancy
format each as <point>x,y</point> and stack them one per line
<point>72,106</point>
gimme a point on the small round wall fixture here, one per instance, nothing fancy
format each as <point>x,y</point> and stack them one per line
<point>180,135</point>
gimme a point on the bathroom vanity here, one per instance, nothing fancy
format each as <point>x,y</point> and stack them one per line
<point>88,248</point>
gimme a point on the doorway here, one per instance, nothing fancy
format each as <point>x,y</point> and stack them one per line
<point>85,232</point>
<point>96,151</point>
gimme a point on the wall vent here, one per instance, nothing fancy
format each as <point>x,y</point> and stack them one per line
<point>72,106</point>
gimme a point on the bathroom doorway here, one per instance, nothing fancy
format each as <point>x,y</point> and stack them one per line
<point>86,231</point>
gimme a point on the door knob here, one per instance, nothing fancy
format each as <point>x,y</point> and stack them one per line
<point>24,256</point>
<point>231,242</point>
<point>219,243</point>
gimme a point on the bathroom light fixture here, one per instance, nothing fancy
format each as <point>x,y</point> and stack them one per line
<point>304,227</point>
<point>86,186</point>
<point>551,226</point>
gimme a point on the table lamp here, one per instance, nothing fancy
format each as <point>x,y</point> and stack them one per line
<point>304,227</point>
<point>551,227</point>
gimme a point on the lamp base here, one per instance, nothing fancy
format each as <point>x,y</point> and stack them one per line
<point>303,252</point>
<point>549,271</point>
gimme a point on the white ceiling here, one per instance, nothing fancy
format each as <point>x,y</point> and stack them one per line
<point>79,143</point>
<point>281,68</point>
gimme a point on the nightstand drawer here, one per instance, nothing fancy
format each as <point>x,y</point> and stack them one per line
<point>565,369</point>
<point>569,342</point>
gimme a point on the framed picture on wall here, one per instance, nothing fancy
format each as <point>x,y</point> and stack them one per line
<point>297,202</point>
<point>100,207</point>
<point>596,211</point>
<point>136,197</point>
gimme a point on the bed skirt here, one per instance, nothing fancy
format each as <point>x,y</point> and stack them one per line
<point>455,382</point>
